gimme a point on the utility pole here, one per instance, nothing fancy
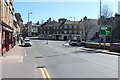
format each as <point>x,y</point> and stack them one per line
<point>100,8</point>
<point>100,24</point>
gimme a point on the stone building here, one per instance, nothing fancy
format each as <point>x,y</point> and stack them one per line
<point>7,13</point>
<point>8,26</point>
<point>64,29</point>
<point>116,29</point>
<point>50,29</point>
<point>34,29</point>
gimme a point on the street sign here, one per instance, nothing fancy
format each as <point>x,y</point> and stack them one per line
<point>105,30</point>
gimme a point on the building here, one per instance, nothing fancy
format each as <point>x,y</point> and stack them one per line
<point>34,29</point>
<point>31,29</point>
<point>8,26</point>
<point>89,29</point>
<point>7,13</point>
<point>116,29</point>
<point>65,29</point>
<point>70,29</point>
<point>51,29</point>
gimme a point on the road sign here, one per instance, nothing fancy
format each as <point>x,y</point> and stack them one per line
<point>105,30</point>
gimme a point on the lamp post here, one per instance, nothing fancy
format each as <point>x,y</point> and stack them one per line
<point>100,8</point>
<point>100,24</point>
<point>29,22</point>
<point>29,16</point>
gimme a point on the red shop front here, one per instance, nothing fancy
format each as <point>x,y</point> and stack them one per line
<point>7,36</point>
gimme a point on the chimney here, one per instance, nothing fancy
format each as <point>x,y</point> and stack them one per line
<point>62,20</point>
<point>85,18</point>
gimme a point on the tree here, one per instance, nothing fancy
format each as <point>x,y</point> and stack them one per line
<point>86,27</point>
<point>106,12</point>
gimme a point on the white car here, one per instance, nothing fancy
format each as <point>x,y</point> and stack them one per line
<point>27,42</point>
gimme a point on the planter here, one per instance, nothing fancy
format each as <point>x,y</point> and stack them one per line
<point>97,46</point>
<point>115,47</point>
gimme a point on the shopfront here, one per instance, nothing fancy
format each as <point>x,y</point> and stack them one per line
<point>7,37</point>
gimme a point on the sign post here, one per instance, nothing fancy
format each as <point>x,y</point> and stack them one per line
<point>105,30</point>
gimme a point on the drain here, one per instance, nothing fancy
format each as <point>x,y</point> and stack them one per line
<point>40,66</point>
<point>39,57</point>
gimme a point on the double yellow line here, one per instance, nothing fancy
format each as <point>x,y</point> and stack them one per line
<point>45,74</point>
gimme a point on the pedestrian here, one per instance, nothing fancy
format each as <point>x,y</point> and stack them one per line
<point>17,39</point>
<point>21,39</point>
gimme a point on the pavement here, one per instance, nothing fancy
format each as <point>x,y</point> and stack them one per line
<point>96,50</point>
<point>15,55</point>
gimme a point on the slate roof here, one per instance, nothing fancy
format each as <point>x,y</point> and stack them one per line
<point>72,22</point>
<point>51,24</point>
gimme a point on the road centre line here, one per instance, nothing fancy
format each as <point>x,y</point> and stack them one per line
<point>25,52</point>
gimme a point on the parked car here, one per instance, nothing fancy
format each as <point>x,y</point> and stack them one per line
<point>27,42</point>
<point>75,43</point>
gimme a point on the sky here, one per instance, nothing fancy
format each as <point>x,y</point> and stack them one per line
<point>55,10</point>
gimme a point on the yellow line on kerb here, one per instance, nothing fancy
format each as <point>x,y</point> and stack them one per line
<point>45,73</point>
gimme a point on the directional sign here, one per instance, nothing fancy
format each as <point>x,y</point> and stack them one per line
<point>105,30</point>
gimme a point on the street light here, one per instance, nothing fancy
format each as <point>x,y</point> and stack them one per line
<point>29,15</point>
<point>100,8</point>
<point>100,24</point>
<point>28,21</point>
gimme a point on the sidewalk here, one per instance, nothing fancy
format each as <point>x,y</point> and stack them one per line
<point>15,55</point>
<point>96,50</point>
<point>100,51</point>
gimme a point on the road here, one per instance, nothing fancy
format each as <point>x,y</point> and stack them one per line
<point>71,62</point>
<point>53,60</point>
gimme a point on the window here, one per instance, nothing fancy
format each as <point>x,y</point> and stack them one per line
<point>75,32</point>
<point>75,26</point>
<point>65,27</point>
<point>80,32</point>
<point>70,32</point>
<point>65,32</point>
<point>70,26</point>
<point>54,27</point>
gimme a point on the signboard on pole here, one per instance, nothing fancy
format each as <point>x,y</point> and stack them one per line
<point>105,30</point>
